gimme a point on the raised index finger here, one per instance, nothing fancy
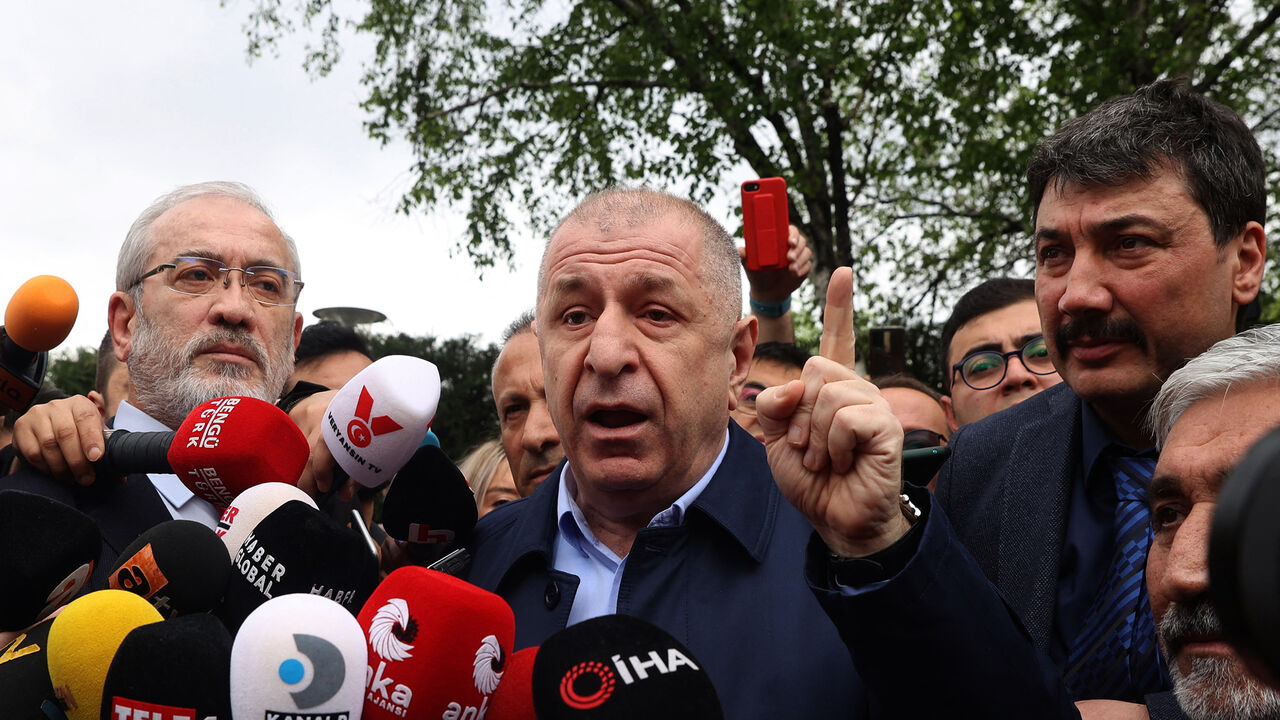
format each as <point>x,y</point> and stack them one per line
<point>837,320</point>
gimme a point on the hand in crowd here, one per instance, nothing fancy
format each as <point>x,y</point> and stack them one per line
<point>833,443</point>
<point>1111,710</point>
<point>61,438</point>
<point>777,285</point>
<point>317,476</point>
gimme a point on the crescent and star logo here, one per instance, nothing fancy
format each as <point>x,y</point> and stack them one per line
<point>363,429</point>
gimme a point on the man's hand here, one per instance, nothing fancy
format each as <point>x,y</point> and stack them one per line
<point>777,285</point>
<point>1111,710</point>
<point>61,438</point>
<point>834,446</point>
<point>317,476</point>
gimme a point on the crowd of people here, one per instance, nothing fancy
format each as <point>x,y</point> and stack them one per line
<point>659,455</point>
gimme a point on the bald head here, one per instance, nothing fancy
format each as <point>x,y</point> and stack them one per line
<point>615,209</point>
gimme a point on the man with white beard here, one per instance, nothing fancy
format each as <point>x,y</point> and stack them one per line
<point>1205,417</point>
<point>206,288</point>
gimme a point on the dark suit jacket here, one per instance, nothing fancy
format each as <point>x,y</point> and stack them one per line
<point>729,583</point>
<point>1006,490</point>
<point>122,510</point>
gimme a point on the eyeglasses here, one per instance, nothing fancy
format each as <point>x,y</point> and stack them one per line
<point>198,276</point>
<point>986,369</point>
<point>747,399</point>
<point>916,439</point>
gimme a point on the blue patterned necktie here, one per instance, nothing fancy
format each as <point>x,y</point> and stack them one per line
<point>1115,656</point>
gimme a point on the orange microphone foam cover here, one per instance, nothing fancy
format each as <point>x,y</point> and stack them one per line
<point>41,314</point>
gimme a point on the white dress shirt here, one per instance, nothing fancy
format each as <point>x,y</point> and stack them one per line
<point>181,502</point>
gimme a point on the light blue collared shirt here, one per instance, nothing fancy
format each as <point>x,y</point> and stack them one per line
<point>599,570</point>
<point>181,502</point>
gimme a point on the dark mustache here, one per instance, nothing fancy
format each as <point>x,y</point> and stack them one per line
<point>1121,329</point>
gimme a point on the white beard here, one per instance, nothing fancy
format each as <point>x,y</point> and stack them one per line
<point>168,386</point>
<point>1216,688</point>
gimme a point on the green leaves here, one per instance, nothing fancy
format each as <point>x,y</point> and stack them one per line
<point>903,128</point>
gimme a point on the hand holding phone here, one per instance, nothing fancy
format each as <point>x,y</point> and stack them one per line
<point>765,223</point>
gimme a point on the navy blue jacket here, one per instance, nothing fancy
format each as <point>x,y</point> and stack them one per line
<point>122,509</point>
<point>729,583</point>
<point>937,640</point>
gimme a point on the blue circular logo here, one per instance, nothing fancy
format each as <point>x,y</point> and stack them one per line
<point>291,671</point>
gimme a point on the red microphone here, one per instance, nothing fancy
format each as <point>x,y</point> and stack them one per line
<point>513,700</point>
<point>438,646</point>
<point>223,447</point>
<point>39,317</point>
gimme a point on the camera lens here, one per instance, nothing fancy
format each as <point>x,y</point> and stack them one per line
<point>751,187</point>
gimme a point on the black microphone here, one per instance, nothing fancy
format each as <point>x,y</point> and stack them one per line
<point>179,668</point>
<point>179,566</point>
<point>47,554</point>
<point>298,549</point>
<point>429,506</point>
<point>39,316</point>
<point>617,667</point>
<point>24,674</point>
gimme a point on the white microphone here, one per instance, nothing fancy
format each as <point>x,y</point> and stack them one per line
<point>297,656</point>
<point>378,419</point>
<point>250,507</point>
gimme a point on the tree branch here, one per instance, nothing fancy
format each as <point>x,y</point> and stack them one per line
<point>635,84</point>
<point>1215,71</point>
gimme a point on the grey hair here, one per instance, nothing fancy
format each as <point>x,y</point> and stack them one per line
<point>631,207</point>
<point>1251,357</point>
<point>1164,125</point>
<point>519,326</point>
<point>132,261</point>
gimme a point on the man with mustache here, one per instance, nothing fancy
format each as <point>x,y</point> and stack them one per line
<point>1148,244</point>
<point>206,287</point>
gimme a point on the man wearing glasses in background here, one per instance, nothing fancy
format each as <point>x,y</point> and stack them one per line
<point>206,288</point>
<point>992,324</point>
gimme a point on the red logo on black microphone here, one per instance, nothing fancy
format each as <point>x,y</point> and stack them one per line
<point>362,429</point>
<point>587,685</point>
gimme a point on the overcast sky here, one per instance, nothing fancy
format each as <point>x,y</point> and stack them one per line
<point>107,105</point>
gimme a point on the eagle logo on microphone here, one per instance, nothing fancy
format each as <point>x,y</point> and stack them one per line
<point>391,631</point>
<point>489,665</point>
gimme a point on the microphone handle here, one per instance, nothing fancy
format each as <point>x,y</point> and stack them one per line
<point>135,452</point>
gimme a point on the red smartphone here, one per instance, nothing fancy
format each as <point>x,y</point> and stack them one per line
<point>765,223</point>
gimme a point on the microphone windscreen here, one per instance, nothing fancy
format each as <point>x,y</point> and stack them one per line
<point>298,656</point>
<point>513,700</point>
<point>82,641</point>
<point>297,549</point>
<point>429,501</point>
<point>41,313</point>
<point>24,674</point>
<point>378,419</point>
<point>249,507</point>
<point>47,553</point>
<point>178,668</point>
<point>437,646</point>
<point>179,566</point>
<point>230,444</point>
<point>621,668</point>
